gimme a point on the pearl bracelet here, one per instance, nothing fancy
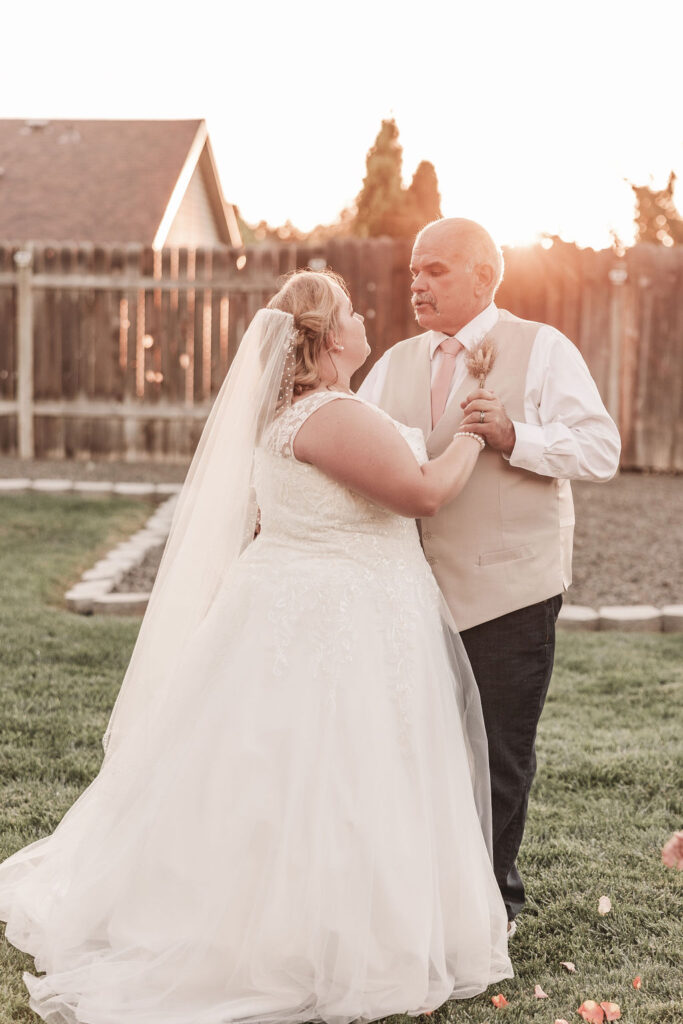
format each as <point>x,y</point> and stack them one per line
<point>469,433</point>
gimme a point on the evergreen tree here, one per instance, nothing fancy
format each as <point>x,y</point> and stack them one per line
<point>379,203</point>
<point>657,219</point>
<point>383,206</point>
<point>423,202</point>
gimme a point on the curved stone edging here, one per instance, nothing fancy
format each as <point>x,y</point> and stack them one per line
<point>92,594</point>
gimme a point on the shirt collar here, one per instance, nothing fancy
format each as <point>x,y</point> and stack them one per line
<point>472,333</point>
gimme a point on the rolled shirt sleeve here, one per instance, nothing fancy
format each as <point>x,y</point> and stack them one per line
<point>568,433</point>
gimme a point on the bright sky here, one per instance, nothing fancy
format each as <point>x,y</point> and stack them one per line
<point>532,111</point>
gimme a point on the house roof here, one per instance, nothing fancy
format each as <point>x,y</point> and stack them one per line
<point>103,181</point>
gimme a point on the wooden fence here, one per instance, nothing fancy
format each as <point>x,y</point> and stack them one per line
<point>117,352</point>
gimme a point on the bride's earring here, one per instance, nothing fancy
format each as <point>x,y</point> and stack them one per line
<point>333,346</point>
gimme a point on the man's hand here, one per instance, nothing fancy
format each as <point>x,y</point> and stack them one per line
<point>497,429</point>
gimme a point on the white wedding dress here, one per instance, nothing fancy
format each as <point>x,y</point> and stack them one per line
<point>306,843</point>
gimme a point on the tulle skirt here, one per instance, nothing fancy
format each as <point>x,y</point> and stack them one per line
<point>299,841</point>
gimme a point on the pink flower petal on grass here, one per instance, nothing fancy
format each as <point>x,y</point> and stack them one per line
<point>672,852</point>
<point>539,993</point>
<point>499,1001</point>
<point>591,1012</point>
<point>612,1011</point>
<point>560,1020</point>
<point>638,982</point>
<point>569,965</point>
<point>604,905</point>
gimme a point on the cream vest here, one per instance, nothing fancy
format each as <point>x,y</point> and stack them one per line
<point>505,541</point>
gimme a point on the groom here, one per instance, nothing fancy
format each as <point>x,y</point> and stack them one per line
<point>501,551</point>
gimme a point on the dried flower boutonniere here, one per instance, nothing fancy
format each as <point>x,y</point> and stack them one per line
<point>480,360</point>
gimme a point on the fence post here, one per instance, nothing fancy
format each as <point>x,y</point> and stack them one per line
<point>23,260</point>
<point>617,276</point>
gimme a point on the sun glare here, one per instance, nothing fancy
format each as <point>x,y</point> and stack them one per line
<point>535,119</point>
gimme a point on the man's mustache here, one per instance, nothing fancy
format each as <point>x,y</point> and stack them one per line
<point>423,299</point>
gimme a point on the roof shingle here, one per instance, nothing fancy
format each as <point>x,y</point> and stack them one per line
<point>99,181</point>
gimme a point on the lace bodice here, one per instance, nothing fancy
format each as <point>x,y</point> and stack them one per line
<point>286,426</point>
<point>299,503</point>
<point>326,549</point>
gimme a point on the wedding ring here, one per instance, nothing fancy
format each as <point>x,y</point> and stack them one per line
<point>481,416</point>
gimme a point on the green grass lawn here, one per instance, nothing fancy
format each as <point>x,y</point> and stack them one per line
<point>607,795</point>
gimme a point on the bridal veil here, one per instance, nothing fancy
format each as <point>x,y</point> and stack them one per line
<point>214,520</point>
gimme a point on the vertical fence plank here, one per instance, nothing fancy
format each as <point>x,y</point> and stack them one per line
<point>617,276</point>
<point>23,260</point>
<point>645,315</point>
<point>629,368</point>
<point>202,348</point>
<point>42,309</point>
<point>118,325</point>
<point>133,269</point>
<point>8,354</point>
<point>7,326</point>
<point>165,333</point>
<point>663,401</point>
<point>50,438</point>
<point>74,441</point>
<point>220,316</point>
<point>677,377</point>
<point>186,305</point>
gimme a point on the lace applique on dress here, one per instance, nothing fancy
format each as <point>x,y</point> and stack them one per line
<point>327,551</point>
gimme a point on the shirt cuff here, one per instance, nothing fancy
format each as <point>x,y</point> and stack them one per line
<point>529,446</point>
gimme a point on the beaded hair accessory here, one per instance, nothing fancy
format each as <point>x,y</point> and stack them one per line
<point>286,391</point>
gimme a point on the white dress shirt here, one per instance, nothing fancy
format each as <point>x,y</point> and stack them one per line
<point>568,433</point>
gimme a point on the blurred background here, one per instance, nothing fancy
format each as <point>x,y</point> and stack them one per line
<point>162,165</point>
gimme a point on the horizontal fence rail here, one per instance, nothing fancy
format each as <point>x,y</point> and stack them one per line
<point>118,351</point>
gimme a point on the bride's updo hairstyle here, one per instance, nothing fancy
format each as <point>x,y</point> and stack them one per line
<point>311,299</point>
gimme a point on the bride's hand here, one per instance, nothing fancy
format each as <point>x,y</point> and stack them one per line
<point>497,428</point>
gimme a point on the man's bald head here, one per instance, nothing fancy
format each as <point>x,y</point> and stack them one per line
<point>456,268</point>
<point>468,239</point>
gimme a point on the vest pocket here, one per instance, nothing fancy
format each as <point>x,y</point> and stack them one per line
<point>506,555</point>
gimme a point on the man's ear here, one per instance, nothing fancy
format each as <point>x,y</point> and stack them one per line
<point>483,279</point>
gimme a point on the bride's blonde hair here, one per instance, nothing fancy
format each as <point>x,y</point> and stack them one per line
<point>311,299</point>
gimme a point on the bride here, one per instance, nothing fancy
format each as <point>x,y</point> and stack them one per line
<point>291,820</point>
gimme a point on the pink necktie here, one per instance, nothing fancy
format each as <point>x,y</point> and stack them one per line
<point>441,384</point>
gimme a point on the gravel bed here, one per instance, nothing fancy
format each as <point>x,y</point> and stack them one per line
<point>140,579</point>
<point>627,544</point>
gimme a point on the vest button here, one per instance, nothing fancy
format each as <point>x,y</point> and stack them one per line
<point>427,534</point>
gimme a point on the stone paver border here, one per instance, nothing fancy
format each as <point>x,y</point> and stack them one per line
<point>92,594</point>
<point>641,618</point>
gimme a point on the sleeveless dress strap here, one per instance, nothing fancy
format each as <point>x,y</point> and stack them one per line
<point>291,420</point>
